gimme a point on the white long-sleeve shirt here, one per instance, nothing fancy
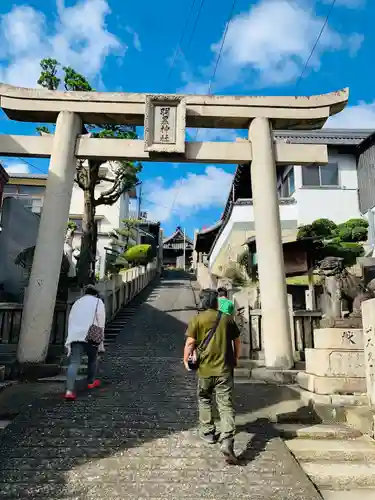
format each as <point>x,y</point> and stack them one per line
<point>82,316</point>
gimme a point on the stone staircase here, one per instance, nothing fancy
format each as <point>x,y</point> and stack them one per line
<point>113,328</point>
<point>338,459</point>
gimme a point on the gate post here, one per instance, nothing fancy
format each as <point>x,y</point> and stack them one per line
<point>41,297</point>
<point>278,351</point>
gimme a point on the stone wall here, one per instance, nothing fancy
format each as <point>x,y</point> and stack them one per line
<point>19,231</point>
<point>204,277</point>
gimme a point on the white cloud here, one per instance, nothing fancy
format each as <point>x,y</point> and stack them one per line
<point>212,134</point>
<point>271,43</point>
<point>192,87</point>
<point>79,38</point>
<point>136,40</point>
<point>17,168</point>
<point>362,115</point>
<point>188,195</point>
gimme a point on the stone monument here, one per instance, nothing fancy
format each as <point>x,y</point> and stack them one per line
<point>336,365</point>
<point>341,285</point>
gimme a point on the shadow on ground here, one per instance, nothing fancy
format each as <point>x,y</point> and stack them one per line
<point>135,437</point>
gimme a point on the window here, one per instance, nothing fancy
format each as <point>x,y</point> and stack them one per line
<point>292,187</point>
<point>287,186</point>
<point>10,190</point>
<point>320,176</point>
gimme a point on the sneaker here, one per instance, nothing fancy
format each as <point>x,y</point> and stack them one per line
<point>94,385</point>
<point>70,396</point>
<point>209,438</point>
<point>227,450</point>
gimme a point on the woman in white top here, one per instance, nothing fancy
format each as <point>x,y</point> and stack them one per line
<point>86,311</point>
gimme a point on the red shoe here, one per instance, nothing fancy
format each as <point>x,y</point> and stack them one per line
<point>71,396</point>
<point>94,385</point>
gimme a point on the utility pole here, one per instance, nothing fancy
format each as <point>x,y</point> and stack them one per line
<point>139,201</point>
<point>139,212</point>
<point>184,250</point>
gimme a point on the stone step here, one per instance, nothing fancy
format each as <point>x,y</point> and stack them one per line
<point>361,494</point>
<point>318,431</point>
<point>242,373</point>
<point>274,376</point>
<point>341,476</point>
<point>357,450</point>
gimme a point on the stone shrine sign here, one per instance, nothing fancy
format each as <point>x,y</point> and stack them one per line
<point>165,124</point>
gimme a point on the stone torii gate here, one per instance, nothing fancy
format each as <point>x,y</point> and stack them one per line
<point>165,118</point>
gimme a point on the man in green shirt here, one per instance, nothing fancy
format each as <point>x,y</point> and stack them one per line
<point>215,371</point>
<point>226,306</point>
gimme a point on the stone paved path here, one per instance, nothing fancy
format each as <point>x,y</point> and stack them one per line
<point>136,437</point>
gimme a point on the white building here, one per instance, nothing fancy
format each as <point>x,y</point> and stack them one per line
<point>31,188</point>
<point>306,193</point>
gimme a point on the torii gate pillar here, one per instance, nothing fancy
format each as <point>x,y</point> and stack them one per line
<point>278,350</point>
<point>40,300</point>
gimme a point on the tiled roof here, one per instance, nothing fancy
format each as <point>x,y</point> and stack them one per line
<point>343,137</point>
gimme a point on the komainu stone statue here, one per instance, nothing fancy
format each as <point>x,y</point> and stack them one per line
<point>341,285</point>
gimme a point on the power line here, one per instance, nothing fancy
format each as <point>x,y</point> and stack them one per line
<point>195,24</point>
<point>31,165</point>
<point>220,52</point>
<point>178,48</point>
<point>316,43</point>
<point>222,45</point>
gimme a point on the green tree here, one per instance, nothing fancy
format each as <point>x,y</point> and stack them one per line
<point>331,240</point>
<point>120,177</point>
<point>121,237</point>
<point>121,241</point>
<point>139,254</point>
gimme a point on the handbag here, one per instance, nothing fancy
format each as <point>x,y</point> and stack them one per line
<point>95,334</point>
<point>194,358</point>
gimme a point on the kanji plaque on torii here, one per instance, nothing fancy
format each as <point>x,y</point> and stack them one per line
<point>165,123</point>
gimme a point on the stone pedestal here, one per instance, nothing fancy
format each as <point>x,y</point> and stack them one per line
<point>337,364</point>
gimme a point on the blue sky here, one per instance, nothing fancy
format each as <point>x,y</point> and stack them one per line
<point>129,46</point>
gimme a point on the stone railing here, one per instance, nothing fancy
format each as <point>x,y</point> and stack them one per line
<point>122,288</point>
<point>10,326</point>
<point>302,324</point>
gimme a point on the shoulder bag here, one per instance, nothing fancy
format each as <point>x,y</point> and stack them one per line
<point>95,334</point>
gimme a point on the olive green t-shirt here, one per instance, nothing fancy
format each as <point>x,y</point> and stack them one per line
<point>218,357</point>
<point>226,306</point>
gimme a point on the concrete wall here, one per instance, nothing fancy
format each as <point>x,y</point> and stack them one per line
<point>240,227</point>
<point>304,206</point>
<point>109,217</point>
<point>204,277</point>
<point>19,231</point>
<point>337,203</point>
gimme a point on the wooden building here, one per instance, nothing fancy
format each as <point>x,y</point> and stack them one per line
<point>173,249</point>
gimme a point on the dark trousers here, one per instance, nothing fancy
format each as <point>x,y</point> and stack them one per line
<point>78,349</point>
